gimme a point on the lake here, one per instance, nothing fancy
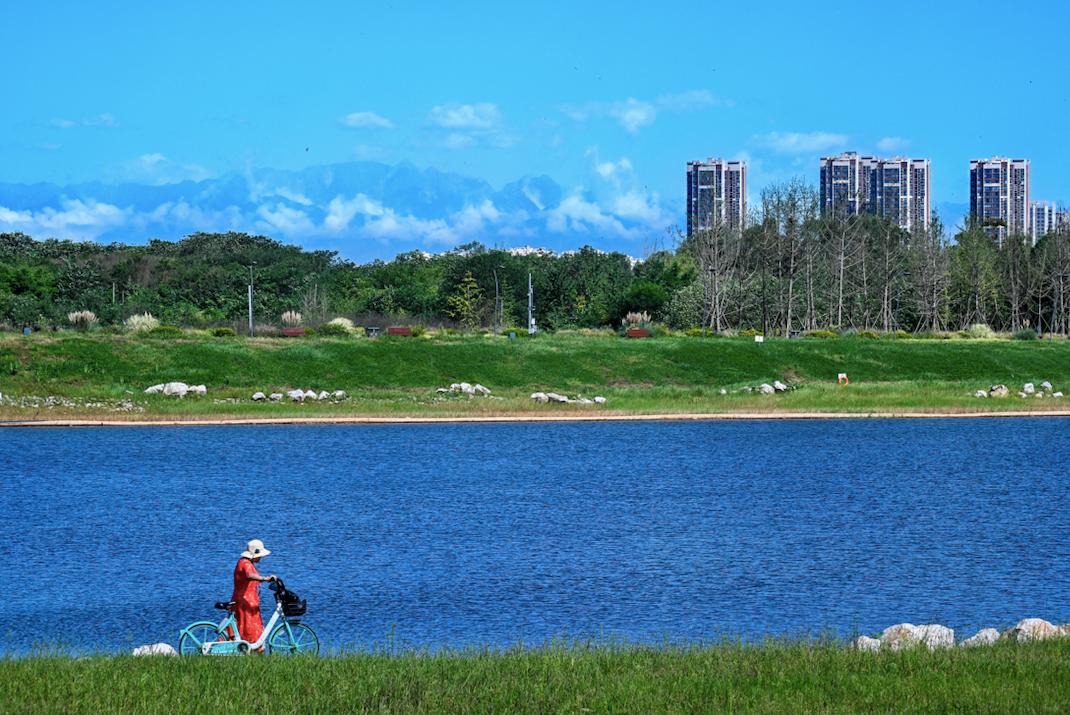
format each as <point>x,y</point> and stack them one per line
<point>455,535</point>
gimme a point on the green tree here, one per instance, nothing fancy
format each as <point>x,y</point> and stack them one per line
<point>464,304</point>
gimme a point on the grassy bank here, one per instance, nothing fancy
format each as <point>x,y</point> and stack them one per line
<point>94,375</point>
<point>789,678</point>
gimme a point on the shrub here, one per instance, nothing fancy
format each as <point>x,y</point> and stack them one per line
<point>698,332</point>
<point>166,331</point>
<point>418,331</point>
<point>344,323</point>
<point>82,319</point>
<point>869,334</point>
<point>901,335</point>
<point>141,322</point>
<point>750,333</point>
<point>1025,334</point>
<point>979,331</point>
<point>820,334</point>
<point>335,330</point>
<point>291,318</point>
<point>848,332</point>
<point>223,332</point>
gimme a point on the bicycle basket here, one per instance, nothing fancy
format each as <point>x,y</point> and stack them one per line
<point>292,604</point>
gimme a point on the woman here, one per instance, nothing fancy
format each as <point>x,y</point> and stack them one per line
<point>246,594</point>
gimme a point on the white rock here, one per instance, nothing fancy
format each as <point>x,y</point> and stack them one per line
<point>540,397</point>
<point>443,390</point>
<point>1028,388</point>
<point>583,401</point>
<point>766,389</point>
<point>1031,629</point>
<point>599,400</point>
<point>907,635</point>
<point>258,396</point>
<point>1046,386</point>
<point>999,391</point>
<point>985,636</point>
<point>310,395</point>
<point>296,395</point>
<point>1022,395</point>
<point>1056,394</point>
<point>554,397</point>
<point>340,394</point>
<point>324,395</point>
<point>480,390</point>
<point>865,644</point>
<point>155,389</point>
<point>1039,394</point>
<point>936,636</point>
<point>178,389</point>
<point>779,386</point>
<point>980,393</point>
<point>723,391</point>
<point>155,649</point>
<point>199,389</point>
<point>275,396</point>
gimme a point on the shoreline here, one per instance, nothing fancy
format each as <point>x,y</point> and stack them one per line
<point>533,418</point>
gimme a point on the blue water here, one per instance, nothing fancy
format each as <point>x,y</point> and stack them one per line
<point>496,534</point>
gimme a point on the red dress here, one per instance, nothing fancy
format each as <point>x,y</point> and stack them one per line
<point>246,599</point>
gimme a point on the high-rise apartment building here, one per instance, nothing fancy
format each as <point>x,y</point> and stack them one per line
<point>716,194</point>
<point>899,189</point>
<point>999,196</point>
<point>1043,216</point>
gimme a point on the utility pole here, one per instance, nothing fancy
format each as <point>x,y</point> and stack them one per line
<point>531,307</point>
<point>251,298</point>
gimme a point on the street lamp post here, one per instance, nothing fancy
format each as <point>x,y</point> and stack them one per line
<point>251,298</point>
<point>497,303</point>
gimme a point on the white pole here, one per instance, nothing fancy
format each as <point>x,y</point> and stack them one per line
<point>531,308</point>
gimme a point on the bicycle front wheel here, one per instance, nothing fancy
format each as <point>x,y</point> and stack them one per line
<point>196,635</point>
<point>293,639</point>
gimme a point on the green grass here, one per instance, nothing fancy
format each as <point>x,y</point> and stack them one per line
<point>398,376</point>
<point>771,678</point>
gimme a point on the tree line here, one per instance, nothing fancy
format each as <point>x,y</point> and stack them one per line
<point>789,270</point>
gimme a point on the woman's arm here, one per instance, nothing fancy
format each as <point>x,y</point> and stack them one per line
<point>262,579</point>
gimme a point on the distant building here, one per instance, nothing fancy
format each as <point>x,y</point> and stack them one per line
<point>716,194</point>
<point>899,189</point>
<point>1043,218</point>
<point>846,184</point>
<point>999,196</point>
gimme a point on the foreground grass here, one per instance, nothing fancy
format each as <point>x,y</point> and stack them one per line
<point>773,678</point>
<point>398,376</point>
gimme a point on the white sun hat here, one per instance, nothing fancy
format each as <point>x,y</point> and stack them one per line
<point>254,550</point>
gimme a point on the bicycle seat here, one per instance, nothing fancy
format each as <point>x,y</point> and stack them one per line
<point>225,605</point>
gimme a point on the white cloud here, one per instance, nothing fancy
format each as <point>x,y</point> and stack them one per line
<point>75,218</point>
<point>892,144</point>
<point>284,219</point>
<point>100,120</point>
<point>633,114</point>
<point>156,169</point>
<point>483,115</point>
<point>612,170</point>
<point>801,142</point>
<point>340,212</point>
<point>366,120</point>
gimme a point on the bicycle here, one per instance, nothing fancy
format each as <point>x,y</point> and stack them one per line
<point>284,634</point>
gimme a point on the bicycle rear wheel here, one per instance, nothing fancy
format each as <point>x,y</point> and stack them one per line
<point>196,635</point>
<point>298,640</point>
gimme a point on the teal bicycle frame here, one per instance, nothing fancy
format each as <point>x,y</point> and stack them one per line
<point>228,639</point>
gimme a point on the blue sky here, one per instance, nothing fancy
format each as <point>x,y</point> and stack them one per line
<point>609,100</point>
